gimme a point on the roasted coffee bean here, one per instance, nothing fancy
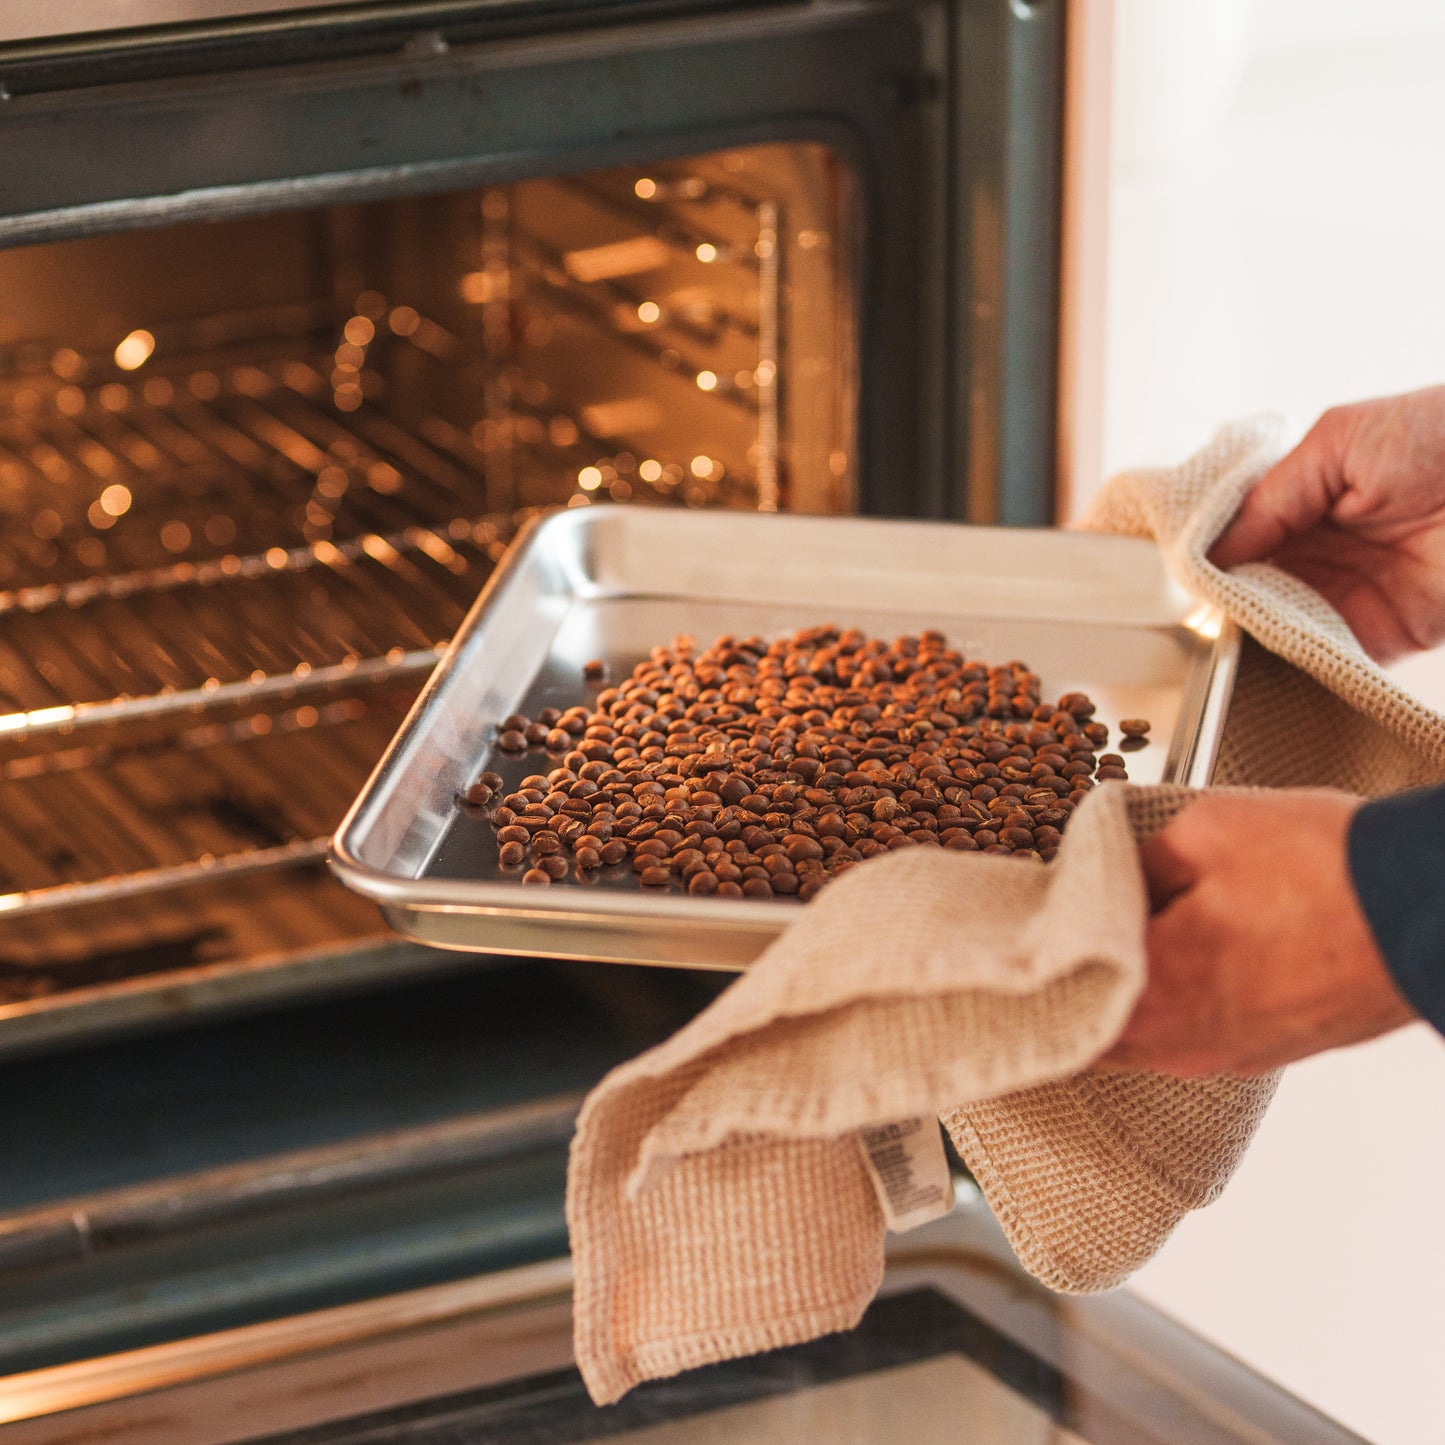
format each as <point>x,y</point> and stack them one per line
<point>769,767</point>
<point>511,854</point>
<point>594,671</point>
<point>1134,727</point>
<point>536,876</point>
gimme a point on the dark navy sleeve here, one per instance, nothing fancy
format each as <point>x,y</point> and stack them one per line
<point>1397,862</point>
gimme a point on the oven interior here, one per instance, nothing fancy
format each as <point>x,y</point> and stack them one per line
<point>253,472</point>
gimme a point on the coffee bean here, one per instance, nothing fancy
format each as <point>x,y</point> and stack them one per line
<point>753,768</point>
<point>1134,727</point>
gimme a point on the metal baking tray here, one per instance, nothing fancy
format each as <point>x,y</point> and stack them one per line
<point>1088,612</point>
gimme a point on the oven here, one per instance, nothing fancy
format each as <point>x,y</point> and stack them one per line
<point>304,311</point>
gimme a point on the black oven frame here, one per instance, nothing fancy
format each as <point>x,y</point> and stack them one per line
<point>949,111</point>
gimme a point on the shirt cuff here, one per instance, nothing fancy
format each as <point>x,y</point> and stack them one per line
<point>1397,861</point>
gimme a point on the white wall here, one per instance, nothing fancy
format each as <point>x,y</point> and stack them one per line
<point>1295,255</point>
<point>1288,255</point>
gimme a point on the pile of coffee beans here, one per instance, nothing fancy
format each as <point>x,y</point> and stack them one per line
<point>756,769</point>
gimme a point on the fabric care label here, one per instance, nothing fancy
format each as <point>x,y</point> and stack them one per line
<point>909,1170</point>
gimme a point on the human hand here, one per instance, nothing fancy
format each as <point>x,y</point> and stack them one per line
<point>1258,951</point>
<point>1357,511</point>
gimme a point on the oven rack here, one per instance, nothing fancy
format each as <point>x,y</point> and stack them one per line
<point>265,543</point>
<point>149,808</point>
<point>225,943</point>
<point>211,635</point>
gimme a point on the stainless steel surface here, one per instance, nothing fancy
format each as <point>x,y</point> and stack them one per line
<point>228,943</point>
<point>133,1378</point>
<point>43,19</point>
<point>1102,1369</point>
<point>1090,612</point>
<point>122,1218</point>
<point>129,814</point>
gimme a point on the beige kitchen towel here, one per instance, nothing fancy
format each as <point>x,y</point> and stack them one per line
<point>719,1200</point>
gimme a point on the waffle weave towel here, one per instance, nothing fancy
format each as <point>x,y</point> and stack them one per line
<point>718,1199</point>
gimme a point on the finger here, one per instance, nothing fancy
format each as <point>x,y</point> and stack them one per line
<point>1174,1026</point>
<point>1293,496</point>
<point>1167,872</point>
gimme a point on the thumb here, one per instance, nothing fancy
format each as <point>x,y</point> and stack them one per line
<point>1295,495</point>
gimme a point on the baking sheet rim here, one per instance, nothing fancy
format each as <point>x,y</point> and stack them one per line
<point>643,914</point>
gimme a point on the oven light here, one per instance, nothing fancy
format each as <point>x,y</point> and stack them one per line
<point>645,189</point>
<point>707,381</point>
<point>702,466</point>
<point>650,470</point>
<point>359,331</point>
<point>589,479</point>
<point>649,312</point>
<point>135,350</point>
<point>706,252</point>
<point>115,500</point>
